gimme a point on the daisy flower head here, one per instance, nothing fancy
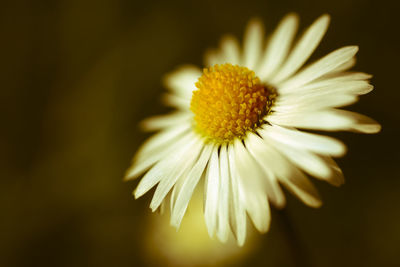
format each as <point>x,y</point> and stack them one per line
<point>241,124</point>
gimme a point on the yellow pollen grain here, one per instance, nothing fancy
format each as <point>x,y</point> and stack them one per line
<point>230,101</point>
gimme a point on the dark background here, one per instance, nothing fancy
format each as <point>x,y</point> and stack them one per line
<point>77,77</point>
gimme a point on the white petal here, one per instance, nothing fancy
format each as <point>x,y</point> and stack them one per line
<point>163,206</point>
<point>336,178</point>
<point>361,123</point>
<point>286,172</point>
<point>303,49</point>
<point>274,191</point>
<point>253,41</point>
<point>252,184</point>
<point>164,167</point>
<point>346,65</point>
<point>212,185</point>
<point>238,212</point>
<point>162,138</point>
<point>188,186</point>
<point>278,46</point>
<point>327,120</point>
<point>182,80</point>
<point>223,227</point>
<point>316,143</point>
<point>157,147</point>
<point>175,191</point>
<point>230,50</point>
<point>182,166</point>
<point>312,101</point>
<point>176,101</point>
<point>301,186</point>
<point>164,121</point>
<point>332,86</point>
<point>335,77</point>
<point>305,160</point>
<point>318,68</point>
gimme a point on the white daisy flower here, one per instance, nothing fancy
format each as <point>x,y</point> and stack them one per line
<point>239,124</point>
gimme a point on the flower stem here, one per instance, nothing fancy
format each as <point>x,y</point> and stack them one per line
<point>295,245</point>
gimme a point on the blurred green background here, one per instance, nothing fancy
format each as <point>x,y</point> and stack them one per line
<point>77,77</point>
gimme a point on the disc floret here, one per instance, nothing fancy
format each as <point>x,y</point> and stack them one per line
<point>230,101</point>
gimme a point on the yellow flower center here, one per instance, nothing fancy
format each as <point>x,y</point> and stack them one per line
<point>230,101</point>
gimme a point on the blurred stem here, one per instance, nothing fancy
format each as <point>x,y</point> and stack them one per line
<point>295,245</point>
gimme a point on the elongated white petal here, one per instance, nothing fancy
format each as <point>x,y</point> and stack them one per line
<point>223,228</point>
<point>345,66</point>
<point>286,172</point>
<point>182,80</point>
<point>163,207</point>
<point>183,166</point>
<point>337,178</point>
<point>361,123</point>
<point>320,144</point>
<point>356,87</point>
<point>328,120</point>
<point>252,181</point>
<point>252,43</point>
<point>278,46</point>
<point>189,185</point>
<point>164,121</point>
<point>318,68</point>
<point>257,207</point>
<point>274,191</point>
<point>335,77</point>
<point>230,49</point>
<point>176,101</point>
<point>303,49</point>
<point>212,185</point>
<point>157,147</point>
<point>238,212</point>
<point>305,160</point>
<point>162,138</point>
<point>175,191</point>
<point>313,101</point>
<point>163,168</point>
<point>301,186</point>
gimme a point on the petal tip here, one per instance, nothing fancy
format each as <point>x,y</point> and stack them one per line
<point>373,129</point>
<point>129,174</point>
<point>325,17</point>
<point>137,193</point>
<point>292,15</point>
<point>240,243</point>
<point>354,48</point>
<point>255,22</point>
<point>316,204</point>
<point>127,178</point>
<point>173,222</point>
<point>323,21</point>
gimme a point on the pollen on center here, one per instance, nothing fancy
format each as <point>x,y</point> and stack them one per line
<point>230,101</point>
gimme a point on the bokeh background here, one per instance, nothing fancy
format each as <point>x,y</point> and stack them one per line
<point>77,77</point>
